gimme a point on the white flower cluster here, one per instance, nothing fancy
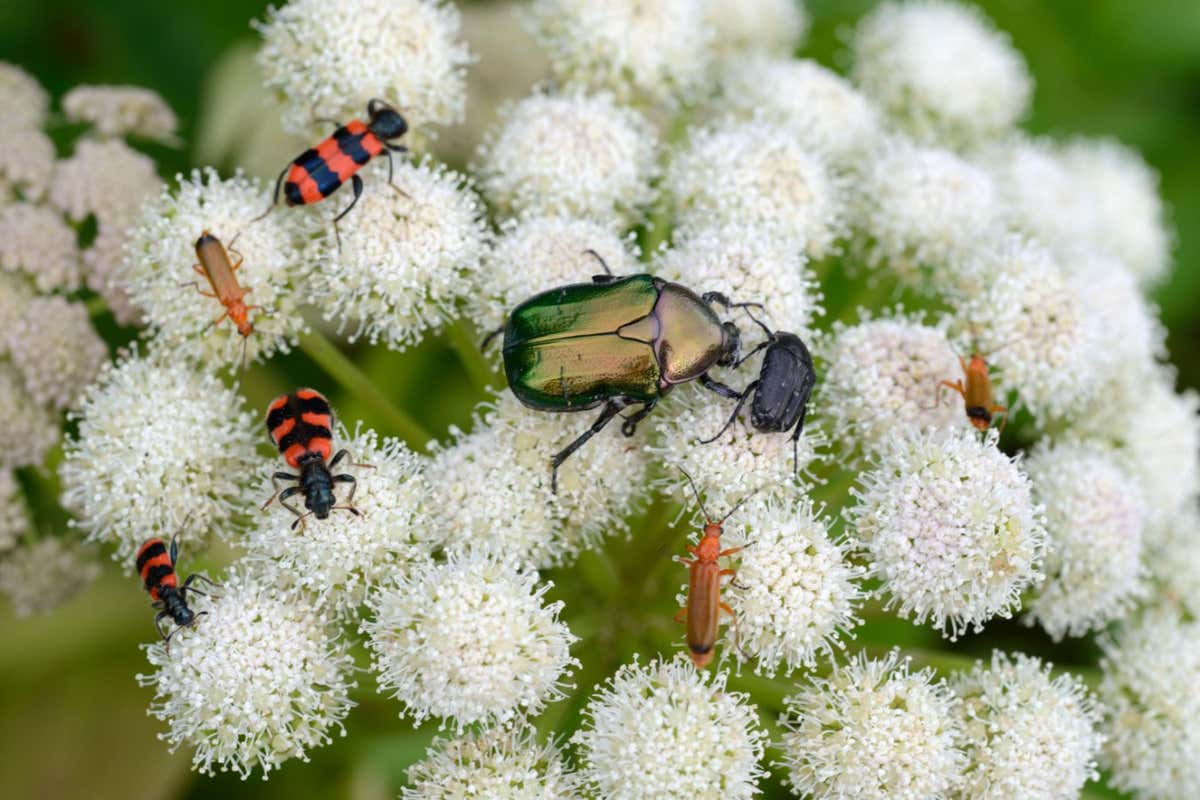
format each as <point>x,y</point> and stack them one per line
<point>951,526</point>
<point>1151,713</point>
<point>162,450</point>
<point>494,762</point>
<point>1026,734</point>
<point>666,730</point>
<point>50,351</point>
<point>874,730</point>
<point>162,274</point>
<point>682,139</point>
<point>329,65</point>
<point>470,640</point>
<point>219,686</point>
<point>1094,522</point>
<point>513,512</point>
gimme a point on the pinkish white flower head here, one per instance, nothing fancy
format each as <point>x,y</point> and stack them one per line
<point>470,640</point>
<point>15,295</point>
<point>158,270</point>
<point>261,678</point>
<point>26,164</point>
<point>37,241</point>
<point>406,256</point>
<point>795,593</point>
<point>535,254</point>
<point>335,561</point>
<point>951,527</point>
<point>33,428</point>
<point>1094,521</point>
<point>825,113</point>
<point>101,263</point>
<point>1026,734</point>
<point>56,350</point>
<point>407,53</point>
<point>923,211</point>
<point>512,512</point>
<point>40,577</point>
<point>748,26</point>
<point>1128,215</point>
<point>1151,707</point>
<point>941,71</point>
<point>1160,442</point>
<point>106,178</point>
<point>1125,324</point>
<point>571,153</point>
<point>757,174</point>
<point>657,54</point>
<point>873,730</point>
<point>1173,556</point>
<point>1029,320</point>
<point>1041,197</point>
<point>885,374</point>
<point>743,461</point>
<point>667,730</point>
<point>500,761</point>
<point>135,471</point>
<point>121,110</point>
<point>23,99</point>
<point>746,264</point>
<point>15,521</point>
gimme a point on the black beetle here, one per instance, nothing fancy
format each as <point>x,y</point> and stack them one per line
<point>785,381</point>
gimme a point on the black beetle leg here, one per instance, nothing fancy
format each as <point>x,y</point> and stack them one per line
<point>716,386</point>
<point>491,337</point>
<point>274,197</point>
<point>337,457</point>
<point>158,623</point>
<point>345,478</point>
<point>198,577</point>
<point>629,426</point>
<point>736,410</point>
<point>283,500</point>
<point>758,347</point>
<point>721,299</point>
<point>357,184</point>
<point>611,409</point>
<point>395,188</point>
<point>275,479</point>
<point>595,255</point>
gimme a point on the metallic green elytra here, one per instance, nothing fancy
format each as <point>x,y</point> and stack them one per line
<point>617,342</point>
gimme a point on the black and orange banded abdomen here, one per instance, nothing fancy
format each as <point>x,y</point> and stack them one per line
<point>155,567</point>
<point>300,425</point>
<point>319,171</point>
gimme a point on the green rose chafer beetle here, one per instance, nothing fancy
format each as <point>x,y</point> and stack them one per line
<point>619,341</point>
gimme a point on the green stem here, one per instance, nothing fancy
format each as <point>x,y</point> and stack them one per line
<point>466,347</point>
<point>344,371</point>
<point>96,307</point>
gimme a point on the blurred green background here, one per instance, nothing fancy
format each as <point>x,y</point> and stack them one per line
<point>72,719</point>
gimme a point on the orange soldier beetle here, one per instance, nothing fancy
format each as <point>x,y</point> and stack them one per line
<point>214,264</point>
<point>977,394</point>
<point>703,610</point>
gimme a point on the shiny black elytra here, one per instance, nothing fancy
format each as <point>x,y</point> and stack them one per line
<point>785,382</point>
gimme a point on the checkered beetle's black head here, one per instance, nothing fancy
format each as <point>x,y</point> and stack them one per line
<point>385,121</point>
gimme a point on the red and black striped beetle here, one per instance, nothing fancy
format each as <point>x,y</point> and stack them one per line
<point>156,565</point>
<point>319,171</point>
<point>301,426</point>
